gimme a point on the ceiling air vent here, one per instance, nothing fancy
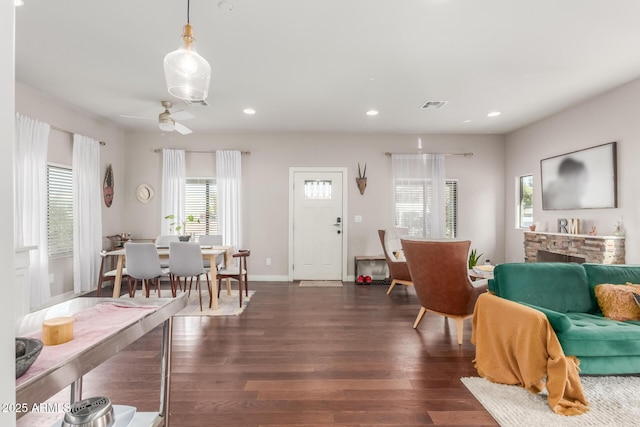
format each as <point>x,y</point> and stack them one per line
<point>202,103</point>
<point>433,105</point>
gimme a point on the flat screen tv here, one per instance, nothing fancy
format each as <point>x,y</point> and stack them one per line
<point>584,179</point>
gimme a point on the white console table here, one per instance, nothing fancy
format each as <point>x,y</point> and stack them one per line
<point>54,375</point>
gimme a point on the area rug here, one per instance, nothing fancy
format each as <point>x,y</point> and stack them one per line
<point>613,401</point>
<point>227,304</point>
<point>320,284</point>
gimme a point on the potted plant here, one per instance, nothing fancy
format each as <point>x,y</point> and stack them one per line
<point>474,257</point>
<point>181,227</point>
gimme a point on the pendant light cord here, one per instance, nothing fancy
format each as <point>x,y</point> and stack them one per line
<point>188,5</point>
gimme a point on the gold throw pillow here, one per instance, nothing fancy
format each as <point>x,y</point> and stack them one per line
<point>617,302</point>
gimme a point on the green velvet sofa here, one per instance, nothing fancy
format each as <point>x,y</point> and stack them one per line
<point>565,294</point>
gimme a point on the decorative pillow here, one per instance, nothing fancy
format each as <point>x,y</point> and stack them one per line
<point>393,243</point>
<point>399,254</point>
<point>617,302</point>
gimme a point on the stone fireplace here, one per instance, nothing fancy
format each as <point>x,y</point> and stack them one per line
<point>544,247</point>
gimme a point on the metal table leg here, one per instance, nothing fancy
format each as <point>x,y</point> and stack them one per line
<point>76,391</point>
<point>165,384</point>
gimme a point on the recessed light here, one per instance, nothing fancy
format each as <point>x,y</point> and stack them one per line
<point>372,113</point>
<point>18,3</point>
<point>227,6</point>
<point>494,114</point>
<point>249,111</point>
<point>467,121</point>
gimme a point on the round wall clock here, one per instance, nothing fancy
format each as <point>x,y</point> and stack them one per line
<point>144,193</point>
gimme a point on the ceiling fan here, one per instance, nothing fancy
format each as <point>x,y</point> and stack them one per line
<point>167,121</point>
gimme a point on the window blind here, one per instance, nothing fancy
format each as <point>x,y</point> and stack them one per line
<point>201,201</point>
<point>451,214</point>
<point>59,212</point>
<point>413,206</point>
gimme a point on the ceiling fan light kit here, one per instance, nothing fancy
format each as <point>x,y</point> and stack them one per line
<point>187,74</point>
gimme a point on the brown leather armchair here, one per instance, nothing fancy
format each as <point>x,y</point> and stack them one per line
<point>398,270</point>
<point>439,270</point>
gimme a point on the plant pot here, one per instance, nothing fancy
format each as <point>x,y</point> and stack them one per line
<point>184,238</point>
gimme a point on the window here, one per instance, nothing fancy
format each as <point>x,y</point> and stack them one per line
<point>201,201</point>
<point>413,203</point>
<point>59,211</point>
<point>525,201</point>
<point>317,190</point>
<point>451,205</point>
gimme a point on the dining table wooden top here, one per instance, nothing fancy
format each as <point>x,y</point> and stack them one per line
<point>164,251</point>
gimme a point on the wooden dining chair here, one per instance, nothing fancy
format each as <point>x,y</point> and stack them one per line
<point>238,273</point>
<point>107,276</point>
<point>185,261</point>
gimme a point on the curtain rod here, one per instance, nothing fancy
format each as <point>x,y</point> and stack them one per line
<point>159,150</point>
<point>69,132</point>
<point>388,154</point>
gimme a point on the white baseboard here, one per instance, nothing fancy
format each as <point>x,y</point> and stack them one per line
<point>268,278</point>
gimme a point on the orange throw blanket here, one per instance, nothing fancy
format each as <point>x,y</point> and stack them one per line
<point>516,345</point>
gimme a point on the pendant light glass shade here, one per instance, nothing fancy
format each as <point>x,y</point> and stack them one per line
<point>186,72</point>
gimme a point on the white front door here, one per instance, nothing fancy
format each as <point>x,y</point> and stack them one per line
<point>317,226</point>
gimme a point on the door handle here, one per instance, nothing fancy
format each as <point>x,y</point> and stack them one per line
<point>337,224</point>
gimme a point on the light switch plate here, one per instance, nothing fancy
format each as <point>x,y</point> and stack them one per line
<point>358,218</point>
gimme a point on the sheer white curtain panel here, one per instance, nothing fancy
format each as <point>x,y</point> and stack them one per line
<point>229,186</point>
<point>173,189</point>
<point>419,186</point>
<point>87,213</point>
<point>32,137</point>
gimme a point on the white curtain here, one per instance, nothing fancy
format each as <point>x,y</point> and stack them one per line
<point>87,213</point>
<point>229,187</point>
<point>419,194</point>
<point>173,189</point>
<point>30,228</point>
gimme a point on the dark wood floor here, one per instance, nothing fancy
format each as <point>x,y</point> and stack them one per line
<point>301,357</point>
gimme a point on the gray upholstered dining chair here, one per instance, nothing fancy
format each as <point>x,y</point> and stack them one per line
<point>143,263</point>
<point>185,261</point>
<point>209,240</point>
<point>163,240</point>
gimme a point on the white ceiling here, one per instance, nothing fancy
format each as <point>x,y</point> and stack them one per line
<point>319,65</point>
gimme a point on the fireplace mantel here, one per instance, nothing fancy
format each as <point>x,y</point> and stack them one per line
<point>594,249</point>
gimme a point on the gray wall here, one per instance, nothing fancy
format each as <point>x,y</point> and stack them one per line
<point>612,116</point>
<point>43,107</point>
<point>266,183</point>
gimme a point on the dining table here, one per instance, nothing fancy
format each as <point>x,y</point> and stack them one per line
<point>209,252</point>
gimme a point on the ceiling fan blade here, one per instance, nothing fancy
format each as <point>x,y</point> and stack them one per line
<point>182,129</point>
<point>126,116</point>
<point>181,115</point>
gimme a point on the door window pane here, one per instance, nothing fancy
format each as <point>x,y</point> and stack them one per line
<point>317,190</point>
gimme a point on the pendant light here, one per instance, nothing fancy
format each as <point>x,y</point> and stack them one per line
<point>186,72</point>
